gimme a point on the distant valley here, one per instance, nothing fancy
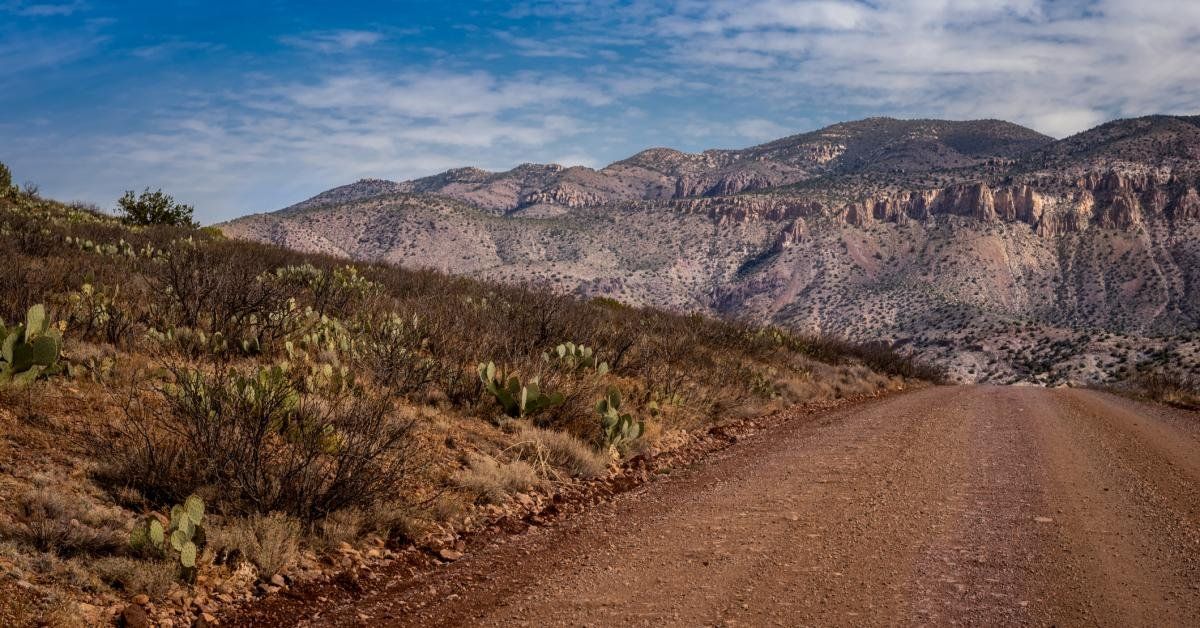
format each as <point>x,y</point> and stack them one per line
<point>1006,255</point>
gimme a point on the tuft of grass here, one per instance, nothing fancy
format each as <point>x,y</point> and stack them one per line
<point>134,576</point>
<point>54,522</point>
<point>343,526</point>
<point>270,542</point>
<point>492,481</point>
<point>560,450</point>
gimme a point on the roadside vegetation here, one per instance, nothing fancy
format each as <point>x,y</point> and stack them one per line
<point>186,420</point>
<point>1172,389</point>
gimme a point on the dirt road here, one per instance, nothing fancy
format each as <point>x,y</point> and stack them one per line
<point>969,505</point>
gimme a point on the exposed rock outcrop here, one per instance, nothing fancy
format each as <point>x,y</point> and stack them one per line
<point>565,195</point>
<point>1109,200</point>
<point>748,207</point>
<point>793,234</point>
<point>723,184</point>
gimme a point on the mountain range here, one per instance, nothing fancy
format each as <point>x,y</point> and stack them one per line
<point>1002,253</point>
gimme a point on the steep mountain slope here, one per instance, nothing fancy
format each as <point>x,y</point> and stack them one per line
<point>1003,253</point>
<point>1150,140</point>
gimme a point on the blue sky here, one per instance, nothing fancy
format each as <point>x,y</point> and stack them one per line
<point>251,106</point>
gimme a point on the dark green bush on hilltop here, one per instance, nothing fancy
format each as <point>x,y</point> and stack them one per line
<point>154,208</point>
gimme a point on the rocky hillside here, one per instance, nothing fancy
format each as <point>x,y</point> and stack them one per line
<point>999,251</point>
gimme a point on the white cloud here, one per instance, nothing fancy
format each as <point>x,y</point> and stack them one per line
<point>332,41</point>
<point>27,50</point>
<point>576,159</point>
<point>225,149</point>
<point>439,94</point>
<point>1064,122</point>
<point>759,130</point>
<point>1061,65</point>
<point>535,47</point>
<point>43,9</point>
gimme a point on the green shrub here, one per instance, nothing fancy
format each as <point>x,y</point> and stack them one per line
<point>154,208</point>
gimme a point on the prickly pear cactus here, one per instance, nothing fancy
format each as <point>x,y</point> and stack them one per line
<point>515,399</point>
<point>576,358</point>
<point>30,350</point>
<point>616,428</point>
<point>183,538</point>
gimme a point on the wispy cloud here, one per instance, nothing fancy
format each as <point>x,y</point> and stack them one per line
<point>332,41</point>
<point>1061,66</point>
<point>349,125</point>
<point>35,50</point>
<point>759,129</point>
<point>43,9</point>
<point>538,47</point>
<point>438,94</point>
<point>170,48</point>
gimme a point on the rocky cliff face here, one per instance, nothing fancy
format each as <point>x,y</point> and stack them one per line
<point>1108,200</point>
<point>1049,207</point>
<point>978,243</point>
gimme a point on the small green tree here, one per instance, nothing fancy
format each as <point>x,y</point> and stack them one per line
<point>5,180</point>
<point>154,208</point>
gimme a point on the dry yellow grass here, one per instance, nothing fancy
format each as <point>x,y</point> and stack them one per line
<point>492,481</point>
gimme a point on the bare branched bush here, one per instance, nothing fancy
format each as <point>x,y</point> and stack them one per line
<point>395,348</point>
<point>254,440</point>
<point>218,287</point>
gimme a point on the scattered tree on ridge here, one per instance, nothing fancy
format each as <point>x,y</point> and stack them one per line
<point>154,208</point>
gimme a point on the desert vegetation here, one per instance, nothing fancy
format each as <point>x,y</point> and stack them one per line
<point>190,420</point>
<point>1163,387</point>
<point>154,208</point>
